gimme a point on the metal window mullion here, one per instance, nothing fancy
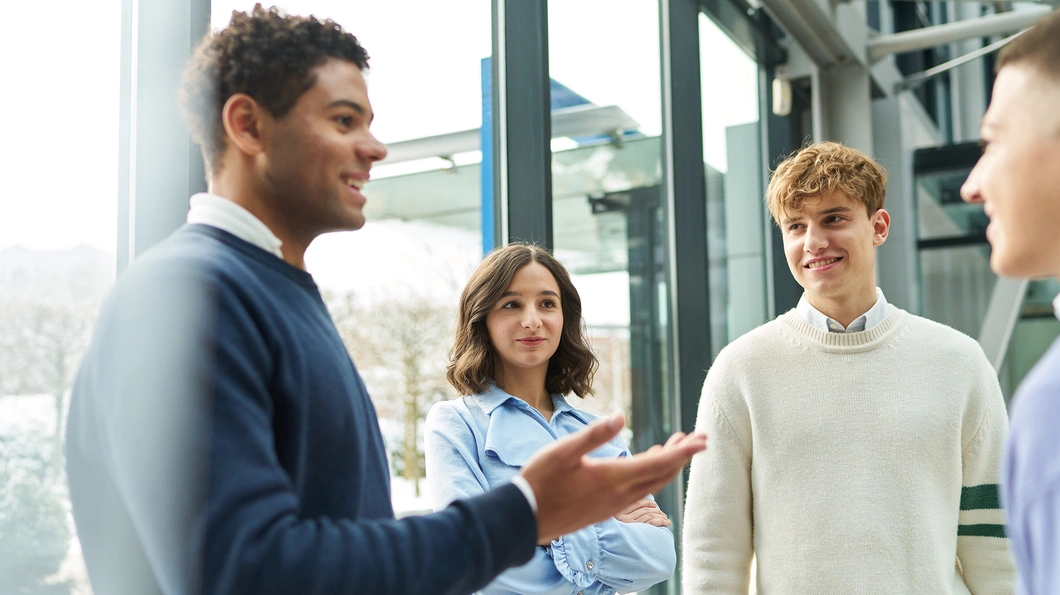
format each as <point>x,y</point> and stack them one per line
<point>684,187</point>
<point>159,167</point>
<point>522,157</point>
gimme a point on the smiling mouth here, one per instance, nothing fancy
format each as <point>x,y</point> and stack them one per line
<point>822,263</point>
<point>354,183</point>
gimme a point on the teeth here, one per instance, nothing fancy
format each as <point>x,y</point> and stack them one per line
<point>821,263</point>
<point>358,184</point>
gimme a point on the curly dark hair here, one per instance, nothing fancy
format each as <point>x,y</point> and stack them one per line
<point>266,55</point>
<point>473,360</point>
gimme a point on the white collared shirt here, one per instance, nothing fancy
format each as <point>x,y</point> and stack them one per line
<point>815,317</point>
<point>222,213</point>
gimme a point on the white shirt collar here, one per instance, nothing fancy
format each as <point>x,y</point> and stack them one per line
<point>222,213</point>
<point>1056,305</point>
<point>816,318</point>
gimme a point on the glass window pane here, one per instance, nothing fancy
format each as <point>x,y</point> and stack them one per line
<point>57,259</point>
<point>955,286</point>
<point>608,223</point>
<point>736,216</point>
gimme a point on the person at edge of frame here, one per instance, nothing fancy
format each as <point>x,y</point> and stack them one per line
<point>1018,181</point>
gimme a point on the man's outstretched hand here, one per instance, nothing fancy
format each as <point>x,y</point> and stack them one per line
<point>574,490</point>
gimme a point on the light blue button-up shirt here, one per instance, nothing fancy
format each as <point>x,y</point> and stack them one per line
<point>479,442</point>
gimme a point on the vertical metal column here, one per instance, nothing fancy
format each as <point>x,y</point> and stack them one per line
<point>780,136</point>
<point>159,167</point>
<point>522,124</point>
<point>684,197</point>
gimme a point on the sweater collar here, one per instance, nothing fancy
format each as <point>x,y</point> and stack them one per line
<point>860,341</point>
<point>866,321</point>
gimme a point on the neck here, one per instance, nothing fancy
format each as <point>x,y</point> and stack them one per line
<point>242,190</point>
<point>844,309</point>
<point>528,385</point>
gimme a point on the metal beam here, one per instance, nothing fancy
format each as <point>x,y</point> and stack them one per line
<point>578,120</point>
<point>928,37</point>
<point>814,28</point>
<point>915,80</point>
<point>1000,320</point>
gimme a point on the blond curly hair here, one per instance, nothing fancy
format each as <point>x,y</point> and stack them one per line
<point>825,168</point>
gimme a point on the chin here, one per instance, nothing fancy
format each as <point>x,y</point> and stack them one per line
<point>1015,267</point>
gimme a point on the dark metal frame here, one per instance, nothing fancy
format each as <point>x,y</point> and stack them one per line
<point>522,121</point>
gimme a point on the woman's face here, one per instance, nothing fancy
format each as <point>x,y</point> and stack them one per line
<point>526,324</point>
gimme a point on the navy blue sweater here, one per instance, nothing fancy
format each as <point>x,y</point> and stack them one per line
<point>220,440</point>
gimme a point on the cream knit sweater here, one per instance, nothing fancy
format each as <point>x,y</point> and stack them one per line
<point>849,463</point>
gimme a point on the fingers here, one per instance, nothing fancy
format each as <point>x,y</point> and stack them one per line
<point>675,438</point>
<point>654,469</point>
<point>644,511</point>
<point>642,503</point>
<point>599,432</point>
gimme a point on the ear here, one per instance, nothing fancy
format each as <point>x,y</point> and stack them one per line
<point>881,226</point>
<point>246,124</point>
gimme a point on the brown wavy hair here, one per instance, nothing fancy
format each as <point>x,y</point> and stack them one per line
<point>473,359</point>
<point>821,169</point>
<point>265,54</point>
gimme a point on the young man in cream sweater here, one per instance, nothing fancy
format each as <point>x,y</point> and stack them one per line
<point>855,447</point>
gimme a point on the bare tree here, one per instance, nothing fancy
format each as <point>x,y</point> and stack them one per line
<point>401,348</point>
<point>41,347</point>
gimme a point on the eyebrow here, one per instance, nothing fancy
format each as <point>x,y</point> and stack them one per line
<point>360,109</point>
<point>516,293</point>
<point>831,211</point>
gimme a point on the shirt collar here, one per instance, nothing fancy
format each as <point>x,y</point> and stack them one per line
<point>226,215</point>
<point>1056,305</point>
<point>869,319</point>
<point>493,397</point>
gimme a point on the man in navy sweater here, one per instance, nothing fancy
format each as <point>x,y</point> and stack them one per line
<point>1018,179</point>
<point>220,439</point>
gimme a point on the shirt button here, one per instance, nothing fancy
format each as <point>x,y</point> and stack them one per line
<point>589,565</point>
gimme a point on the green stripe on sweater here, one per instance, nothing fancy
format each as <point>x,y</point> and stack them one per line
<point>980,497</point>
<point>981,530</point>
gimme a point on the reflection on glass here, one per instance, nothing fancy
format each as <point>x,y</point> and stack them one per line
<point>608,223</point>
<point>736,215</point>
<point>940,211</point>
<point>955,286</point>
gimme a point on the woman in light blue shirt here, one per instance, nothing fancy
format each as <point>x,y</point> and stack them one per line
<point>519,348</point>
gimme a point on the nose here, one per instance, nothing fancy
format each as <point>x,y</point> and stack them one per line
<point>970,189</point>
<point>531,320</point>
<point>815,239</point>
<point>370,149</point>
